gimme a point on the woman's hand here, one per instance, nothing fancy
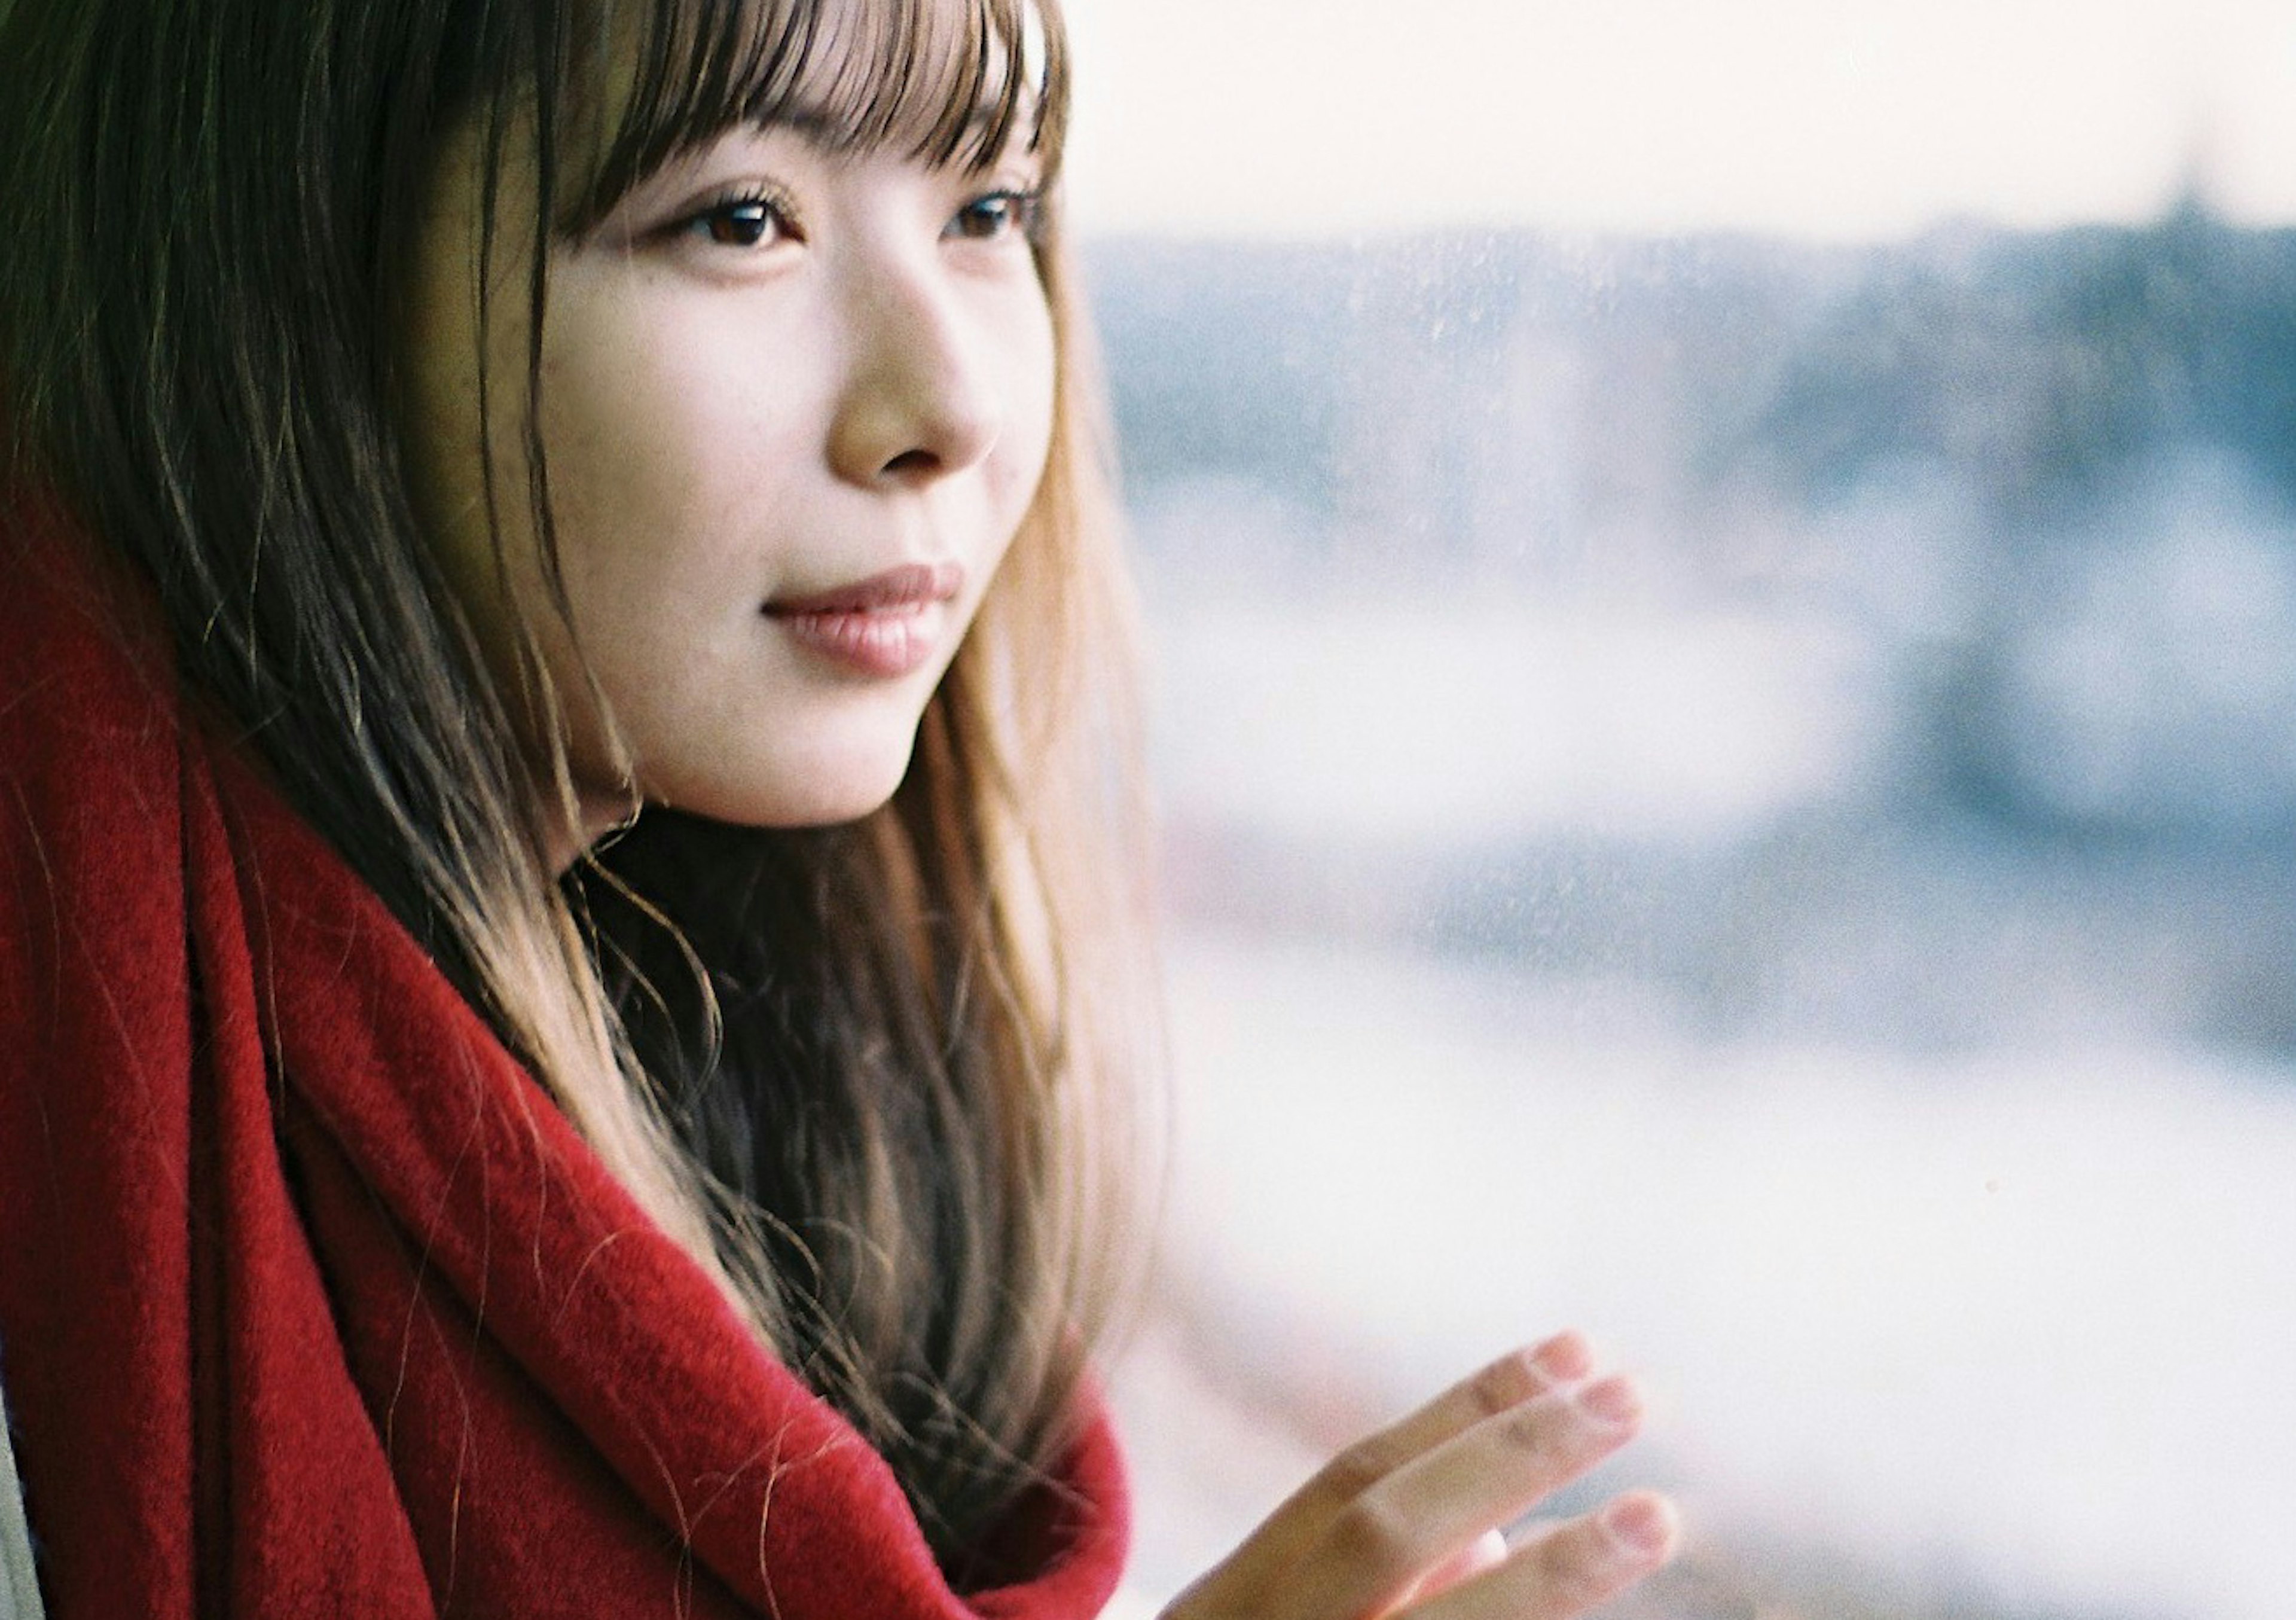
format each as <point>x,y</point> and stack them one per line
<point>1409,1521</point>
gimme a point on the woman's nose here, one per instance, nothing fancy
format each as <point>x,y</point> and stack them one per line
<point>918,402</point>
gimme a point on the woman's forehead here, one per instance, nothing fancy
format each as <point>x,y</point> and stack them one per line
<point>955,81</point>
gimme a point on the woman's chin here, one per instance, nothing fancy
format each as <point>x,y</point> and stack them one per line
<point>817,793</point>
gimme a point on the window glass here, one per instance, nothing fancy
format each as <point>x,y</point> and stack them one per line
<point>1723,592</point>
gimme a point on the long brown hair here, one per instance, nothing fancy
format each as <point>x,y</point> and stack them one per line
<point>867,1071</point>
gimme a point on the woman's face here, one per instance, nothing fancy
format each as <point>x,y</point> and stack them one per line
<point>793,405</point>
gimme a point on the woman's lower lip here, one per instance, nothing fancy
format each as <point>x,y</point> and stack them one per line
<point>885,643</point>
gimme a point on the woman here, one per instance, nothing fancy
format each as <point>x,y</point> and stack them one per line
<point>440,430</point>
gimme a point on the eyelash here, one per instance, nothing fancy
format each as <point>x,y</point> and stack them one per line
<point>742,219</point>
<point>1019,212</point>
<point>752,212</point>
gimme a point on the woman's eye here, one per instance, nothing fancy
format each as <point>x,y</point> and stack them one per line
<point>998,214</point>
<point>740,222</point>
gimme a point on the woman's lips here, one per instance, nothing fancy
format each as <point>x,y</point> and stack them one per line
<point>886,626</point>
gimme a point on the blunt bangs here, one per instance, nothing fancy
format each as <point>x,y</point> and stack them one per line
<point>951,82</point>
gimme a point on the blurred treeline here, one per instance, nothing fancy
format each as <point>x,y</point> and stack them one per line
<point>2045,484</point>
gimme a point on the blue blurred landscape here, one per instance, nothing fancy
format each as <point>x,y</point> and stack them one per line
<point>1740,793</point>
<point>2025,505</point>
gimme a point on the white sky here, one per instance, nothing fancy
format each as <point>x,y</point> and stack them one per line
<point>1851,119</point>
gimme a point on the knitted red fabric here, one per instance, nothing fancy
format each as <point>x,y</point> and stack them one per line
<point>310,1302</point>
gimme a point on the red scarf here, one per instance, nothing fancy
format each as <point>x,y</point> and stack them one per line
<point>310,1300</point>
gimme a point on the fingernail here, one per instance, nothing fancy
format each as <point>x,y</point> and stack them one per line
<point>1611,1401</point>
<point>1564,1356</point>
<point>1640,1526</point>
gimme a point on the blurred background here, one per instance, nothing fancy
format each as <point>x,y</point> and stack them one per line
<point>1723,592</point>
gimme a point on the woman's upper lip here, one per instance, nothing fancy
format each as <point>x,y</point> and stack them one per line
<point>910,585</point>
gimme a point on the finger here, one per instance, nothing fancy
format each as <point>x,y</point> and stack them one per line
<point>1268,1561</point>
<point>1488,1550</point>
<point>1504,1384</point>
<point>1578,1565</point>
<point>1420,1516</point>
